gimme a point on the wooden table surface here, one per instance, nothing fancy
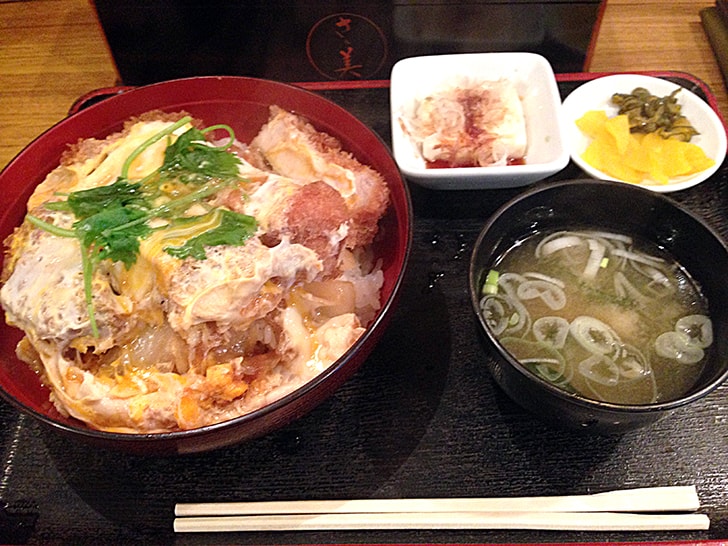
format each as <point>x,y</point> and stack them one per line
<point>53,51</point>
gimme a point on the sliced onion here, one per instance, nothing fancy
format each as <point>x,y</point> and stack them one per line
<point>698,328</point>
<point>594,335</point>
<point>550,373</point>
<point>493,309</point>
<point>639,257</point>
<point>154,348</point>
<point>552,295</point>
<point>655,275</point>
<point>547,278</point>
<point>556,242</point>
<point>551,369</point>
<point>679,347</point>
<point>543,360</point>
<point>600,369</point>
<point>566,239</point>
<point>504,315</point>
<point>659,283</point>
<point>626,239</point>
<point>625,289</point>
<point>509,282</point>
<point>552,331</point>
<point>631,363</point>
<point>331,298</point>
<point>596,253</point>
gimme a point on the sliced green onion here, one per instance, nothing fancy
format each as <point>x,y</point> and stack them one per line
<point>491,283</point>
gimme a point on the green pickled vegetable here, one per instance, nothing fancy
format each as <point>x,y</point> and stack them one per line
<point>648,113</point>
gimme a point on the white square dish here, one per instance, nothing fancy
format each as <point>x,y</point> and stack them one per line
<point>414,78</point>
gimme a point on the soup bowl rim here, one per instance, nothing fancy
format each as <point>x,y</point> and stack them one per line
<point>547,387</point>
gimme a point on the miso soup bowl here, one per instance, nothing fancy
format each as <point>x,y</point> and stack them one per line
<point>617,207</point>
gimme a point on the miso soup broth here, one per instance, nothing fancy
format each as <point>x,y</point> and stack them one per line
<point>600,314</point>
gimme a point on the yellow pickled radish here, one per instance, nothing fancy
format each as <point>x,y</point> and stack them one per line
<point>618,127</point>
<point>635,157</point>
<point>592,123</point>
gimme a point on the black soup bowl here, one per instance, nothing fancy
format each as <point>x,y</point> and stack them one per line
<point>614,207</point>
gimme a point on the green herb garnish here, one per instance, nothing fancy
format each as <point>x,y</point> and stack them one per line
<point>86,203</point>
<point>111,220</point>
<point>233,229</point>
<point>190,159</point>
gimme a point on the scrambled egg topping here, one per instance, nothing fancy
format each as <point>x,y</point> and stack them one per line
<point>215,294</point>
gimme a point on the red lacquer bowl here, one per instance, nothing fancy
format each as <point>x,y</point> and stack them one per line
<point>243,104</point>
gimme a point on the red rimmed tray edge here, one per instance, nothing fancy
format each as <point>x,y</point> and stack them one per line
<point>100,93</point>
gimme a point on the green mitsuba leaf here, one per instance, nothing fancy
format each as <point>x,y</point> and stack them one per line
<point>114,233</point>
<point>191,159</point>
<point>234,229</point>
<point>111,220</point>
<point>87,203</point>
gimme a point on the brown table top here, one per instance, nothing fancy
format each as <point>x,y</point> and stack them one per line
<point>53,51</point>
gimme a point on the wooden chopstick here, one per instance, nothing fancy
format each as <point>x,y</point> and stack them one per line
<point>648,499</point>
<point>562,521</point>
<point>621,510</point>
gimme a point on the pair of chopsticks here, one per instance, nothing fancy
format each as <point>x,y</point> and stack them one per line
<point>644,509</point>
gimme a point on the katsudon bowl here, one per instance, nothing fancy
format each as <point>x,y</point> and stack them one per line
<point>580,366</point>
<point>243,104</point>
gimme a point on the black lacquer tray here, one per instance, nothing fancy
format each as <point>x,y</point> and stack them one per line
<point>422,418</point>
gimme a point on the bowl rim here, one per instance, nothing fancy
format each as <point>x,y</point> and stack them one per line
<point>370,335</point>
<point>575,398</point>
